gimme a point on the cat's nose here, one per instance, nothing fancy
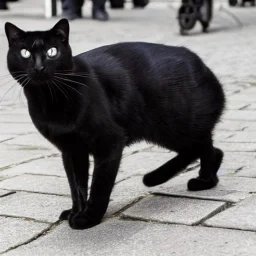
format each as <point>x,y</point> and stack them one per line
<point>40,69</point>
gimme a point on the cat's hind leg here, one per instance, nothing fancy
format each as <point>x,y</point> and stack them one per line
<point>171,168</point>
<point>211,159</point>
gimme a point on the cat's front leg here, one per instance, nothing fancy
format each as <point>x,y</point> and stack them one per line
<point>103,180</point>
<point>76,165</point>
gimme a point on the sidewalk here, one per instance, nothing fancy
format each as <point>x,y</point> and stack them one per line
<point>165,220</point>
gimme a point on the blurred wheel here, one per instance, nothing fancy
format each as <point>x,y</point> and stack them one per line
<point>187,16</point>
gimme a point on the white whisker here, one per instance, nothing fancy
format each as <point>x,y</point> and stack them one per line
<point>58,86</point>
<point>72,81</point>
<point>68,86</point>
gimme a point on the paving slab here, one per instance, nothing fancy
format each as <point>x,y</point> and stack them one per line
<point>16,129</point>
<point>242,115</point>
<point>4,192</point>
<point>229,189</point>
<point>251,127</point>
<point>13,155</point>
<point>37,183</point>
<point>173,210</point>
<point>246,172</point>
<point>242,97</point>
<point>236,146</point>
<point>15,118</point>
<point>222,136</point>
<point>46,166</point>
<point>142,163</point>
<point>242,137</point>
<point>236,105</point>
<point>125,193</point>
<point>40,207</point>
<point>135,148</point>
<point>32,141</point>
<point>229,125</point>
<point>241,216</point>
<point>140,238</point>
<point>251,90</point>
<point>252,106</point>
<point>18,231</point>
<point>230,160</point>
<point>4,137</point>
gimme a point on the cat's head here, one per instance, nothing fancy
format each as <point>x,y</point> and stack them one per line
<point>38,55</point>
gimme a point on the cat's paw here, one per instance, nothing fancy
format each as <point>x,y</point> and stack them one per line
<point>65,215</point>
<point>202,184</point>
<point>82,221</point>
<point>153,179</point>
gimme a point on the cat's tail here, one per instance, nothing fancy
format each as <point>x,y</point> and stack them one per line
<point>169,169</point>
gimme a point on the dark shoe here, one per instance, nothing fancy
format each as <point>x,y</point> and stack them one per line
<point>140,3</point>
<point>3,6</point>
<point>117,4</point>
<point>98,14</point>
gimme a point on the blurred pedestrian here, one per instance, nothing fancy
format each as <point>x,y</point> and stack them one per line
<point>3,5</point>
<point>72,9</point>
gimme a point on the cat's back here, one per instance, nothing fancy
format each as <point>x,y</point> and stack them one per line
<point>148,61</point>
<point>132,53</point>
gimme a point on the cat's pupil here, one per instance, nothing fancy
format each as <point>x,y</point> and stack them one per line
<point>25,53</point>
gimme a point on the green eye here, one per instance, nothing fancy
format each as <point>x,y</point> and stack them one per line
<point>25,53</point>
<point>52,52</point>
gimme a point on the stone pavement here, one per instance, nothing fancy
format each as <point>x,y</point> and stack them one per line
<point>165,220</point>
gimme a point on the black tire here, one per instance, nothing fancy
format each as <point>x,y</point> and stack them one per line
<point>187,17</point>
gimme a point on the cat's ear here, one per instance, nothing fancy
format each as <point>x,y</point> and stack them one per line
<point>12,32</point>
<point>61,29</point>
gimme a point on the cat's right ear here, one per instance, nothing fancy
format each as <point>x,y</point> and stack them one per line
<point>61,29</point>
<point>12,32</point>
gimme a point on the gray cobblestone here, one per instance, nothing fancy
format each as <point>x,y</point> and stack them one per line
<point>15,129</point>
<point>45,166</point>
<point>172,209</point>
<point>18,231</point>
<point>4,192</point>
<point>227,125</point>
<point>242,115</point>
<point>32,141</point>
<point>37,183</point>
<point>242,216</point>
<point>140,238</point>
<point>40,207</point>
<point>5,137</point>
<point>12,155</point>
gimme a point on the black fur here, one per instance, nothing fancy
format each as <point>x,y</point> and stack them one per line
<point>103,100</point>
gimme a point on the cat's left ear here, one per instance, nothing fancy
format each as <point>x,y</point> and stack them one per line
<point>12,32</point>
<point>61,29</point>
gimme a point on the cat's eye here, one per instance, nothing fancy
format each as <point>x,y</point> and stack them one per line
<point>25,53</point>
<point>52,52</point>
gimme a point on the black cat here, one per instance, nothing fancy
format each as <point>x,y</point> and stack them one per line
<point>100,101</point>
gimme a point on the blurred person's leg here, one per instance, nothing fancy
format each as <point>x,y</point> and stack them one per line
<point>3,5</point>
<point>99,11</point>
<point>72,9</point>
